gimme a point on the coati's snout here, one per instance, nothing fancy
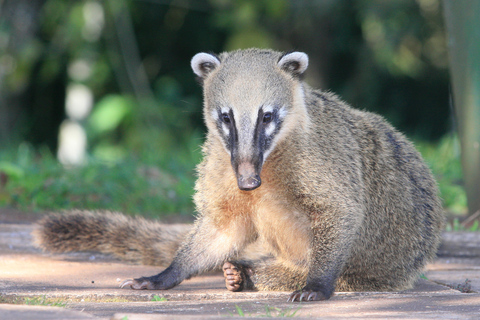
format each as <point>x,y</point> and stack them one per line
<point>247,177</point>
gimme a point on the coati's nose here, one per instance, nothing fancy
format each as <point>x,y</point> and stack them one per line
<point>247,178</point>
<point>249,183</point>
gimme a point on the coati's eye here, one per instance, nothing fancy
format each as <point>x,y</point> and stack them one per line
<point>225,117</point>
<point>267,117</point>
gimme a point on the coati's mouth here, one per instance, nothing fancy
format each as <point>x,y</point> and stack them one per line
<point>248,178</point>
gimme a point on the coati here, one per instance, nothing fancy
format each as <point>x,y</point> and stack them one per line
<point>337,198</point>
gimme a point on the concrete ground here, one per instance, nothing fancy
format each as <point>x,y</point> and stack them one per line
<point>85,285</point>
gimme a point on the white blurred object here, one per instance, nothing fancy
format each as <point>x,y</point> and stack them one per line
<point>80,70</point>
<point>72,143</point>
<point>94,17</point>
<point>79,101</point>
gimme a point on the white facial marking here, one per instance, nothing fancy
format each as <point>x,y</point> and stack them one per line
<point>270,129</point>
<point>225,129</point>
<point>267,108</point>
<point>271,126</point>
<point>282,112</point>
<point>214,114</point>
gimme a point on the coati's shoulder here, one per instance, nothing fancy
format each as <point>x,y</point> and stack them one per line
<point>367,138</point>
<point>331,115</point>
<point>327,107</point>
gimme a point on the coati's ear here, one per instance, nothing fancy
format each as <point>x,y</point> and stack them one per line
<point>294,62</point>
<point>204,63</point>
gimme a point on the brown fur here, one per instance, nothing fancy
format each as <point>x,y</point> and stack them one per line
<point>345,202</point>
<point>131,239</point>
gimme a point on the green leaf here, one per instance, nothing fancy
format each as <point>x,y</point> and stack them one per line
<point>109,113</point>
<point>158,298</point>
<point>11,170</point>
<point>239,311</point>
<point>474,227</point>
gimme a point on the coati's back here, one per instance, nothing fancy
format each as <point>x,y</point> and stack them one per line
<point>403,216</point>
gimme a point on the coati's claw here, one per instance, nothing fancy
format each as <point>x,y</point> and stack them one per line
<point>233,277</point>
<point>125,283</point>
<point>306,295</point>
<point>137,284</point>
<point>162,281</point>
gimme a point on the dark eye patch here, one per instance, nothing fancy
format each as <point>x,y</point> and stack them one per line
<point>226,118</point>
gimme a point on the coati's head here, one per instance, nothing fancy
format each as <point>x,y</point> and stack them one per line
<point>252,99</point>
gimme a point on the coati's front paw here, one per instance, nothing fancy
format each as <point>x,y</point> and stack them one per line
<point>306,295</point>
<point>161,281</point>
<point>316,290</point>
<point>139,284</point>
<point>233,277</point>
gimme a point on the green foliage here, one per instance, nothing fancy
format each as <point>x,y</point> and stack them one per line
<point>43,301</point>
<point>130,185</point>
<point>475,226</point>
<point>109,113</point>
<point>273,312</point>
<point>11,170</point>
<point>158,298</point>
<point>443,158</point>
<point>455,225</point>
<point>239,311</point>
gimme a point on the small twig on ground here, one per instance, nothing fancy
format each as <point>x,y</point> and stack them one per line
<point>467,223</point>
<point>465,287</point>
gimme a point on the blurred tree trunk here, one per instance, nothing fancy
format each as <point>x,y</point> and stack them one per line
<point>18,25</point>
<point>463,28</point>
<point>29,105</point>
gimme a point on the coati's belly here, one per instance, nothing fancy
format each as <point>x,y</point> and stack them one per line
<point>262,214</point>
<point>284,231</point>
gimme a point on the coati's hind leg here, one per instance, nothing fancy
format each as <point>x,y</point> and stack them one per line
<point>263,275</point>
